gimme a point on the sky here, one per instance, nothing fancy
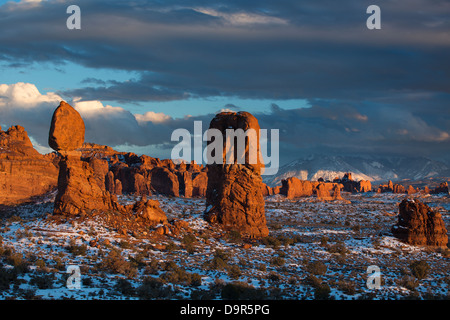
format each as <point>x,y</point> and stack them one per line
<point>138,70</point>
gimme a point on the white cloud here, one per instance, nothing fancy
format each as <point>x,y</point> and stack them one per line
<point>24,95</point>
<point>151,116</point>
<point>95,107</point>
<point>242,18</point>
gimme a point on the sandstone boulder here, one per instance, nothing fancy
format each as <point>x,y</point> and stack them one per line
<point>150,211</point>
<point>67,129</point>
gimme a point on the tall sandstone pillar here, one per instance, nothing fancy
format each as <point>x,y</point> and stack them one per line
<point>234,195</point>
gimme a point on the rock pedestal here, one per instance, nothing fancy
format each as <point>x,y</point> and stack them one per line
<point>234,195</point>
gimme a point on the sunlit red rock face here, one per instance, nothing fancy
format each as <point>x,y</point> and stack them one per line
<point>418,224</point>
<point>234,196</point>
<point>24,172</point>
<point>67,129</point>
<point>294,188</point>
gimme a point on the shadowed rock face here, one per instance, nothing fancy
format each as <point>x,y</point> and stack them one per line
<point>419,225</point>
<point>234,195</point>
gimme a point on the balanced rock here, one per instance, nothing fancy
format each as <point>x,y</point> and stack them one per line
<point>418,224</point>
<point>67,129</point>
<point>81,184</point>
<point>234,195</point>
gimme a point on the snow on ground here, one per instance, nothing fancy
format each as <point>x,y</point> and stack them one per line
<point>315,250</point>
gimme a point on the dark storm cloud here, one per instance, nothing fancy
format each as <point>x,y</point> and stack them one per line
<point>383,91</point>
<point>255,49</point>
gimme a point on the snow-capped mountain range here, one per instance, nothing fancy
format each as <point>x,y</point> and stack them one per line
<point>374,169</point>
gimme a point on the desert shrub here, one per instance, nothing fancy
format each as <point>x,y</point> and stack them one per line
<point>7,277</point>
<point>124,287</point>
<point>285,240</point>
<point>238,290</point>
<point>262,267</point>
<point>202,295</point>
<point>313,281</point>
<point>152,267</point>
<point>114,262</point>
<point>270,241</point>
<point>316,268</point>
<point>125,244</point>
<point>171,246</point>
<point>322,292</point>
<point>347,287</point>
<point>189,241</point>
<point>234,271</point>
<point>234,236</point>
<point>153,288</point>
<point>16,259</point>
<point>42,280</point>
<point>338,247</point>
<point>23,233</point>
<point>420,269</point>
<point>219,260</point>
<point>409,283</point>
<point>177,275</point>
<point>76,250</point>
<point>139,259</point>
<point>324,241</point>
<point>277,261</point>
<point>273,277</point>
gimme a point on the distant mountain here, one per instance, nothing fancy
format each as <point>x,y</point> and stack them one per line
<point>375,169</point>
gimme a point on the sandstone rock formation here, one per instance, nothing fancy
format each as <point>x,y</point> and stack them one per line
<point>199,184</point>
<point>165,181</point>
<point>293,188</point>
<point>84,185</point>
<point>364,186</point>
<point>418,224</point>
<point>323,192</point>
<point>442,188</point>
<point>234,195</point>
<point>353,186</point>
<point>411,190</point>
<point>24,172</point>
